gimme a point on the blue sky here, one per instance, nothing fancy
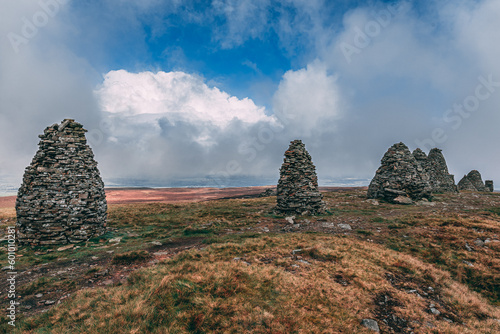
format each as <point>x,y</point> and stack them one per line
<point>191,89</point>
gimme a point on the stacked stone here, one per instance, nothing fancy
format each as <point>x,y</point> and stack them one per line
<point>489,185</point>
<point>465,184</point>
<point>297,191</point>
<point>474,182</point>
<point>62,197</point>
<point>424,163</point>
<point>400,178</point>
<point>440,179</point>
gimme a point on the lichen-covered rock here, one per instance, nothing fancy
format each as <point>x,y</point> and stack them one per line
<point>297,191</point>
<point>399,175</point>
<point>62,197</point>
<point>475,178</point>
<point>440,179</point>
<point>465,185</point>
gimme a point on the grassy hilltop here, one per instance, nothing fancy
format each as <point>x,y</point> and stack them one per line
<point>231,266</point>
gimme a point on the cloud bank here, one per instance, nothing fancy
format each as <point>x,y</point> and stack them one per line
<point>360,80</point>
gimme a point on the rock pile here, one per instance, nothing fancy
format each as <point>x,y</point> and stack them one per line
<point>477,181</point>
<point>297,191</point>
<point>440,179</point>
<point>400,178</point>
<point>465,184</point>
<point>62,197</point>
<point>489,185</point>
<point>424,162</point>
<point>474,182</point>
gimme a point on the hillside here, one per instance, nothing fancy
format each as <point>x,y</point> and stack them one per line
<point>230,265</point>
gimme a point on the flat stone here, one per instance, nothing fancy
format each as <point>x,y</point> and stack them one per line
<point>345,226</point>
<point>479,243</point>
<point>63,248</point>
<point>435,311</point>
<point>371,324</point>
<point>403,200</point>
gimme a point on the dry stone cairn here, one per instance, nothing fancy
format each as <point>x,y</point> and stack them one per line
<point>465,185</point>
<point>435,171</point>
<point>400,178</point>
<point>474,182</point>
<point>489,185</point>
<point>440,179</point>
<point>477,181</point>
<point>424,162</point>
<point>297,191</point>
<point>62,197</point>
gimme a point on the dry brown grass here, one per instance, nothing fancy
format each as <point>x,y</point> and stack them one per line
<point>269,289</point>
<point>247,280</point>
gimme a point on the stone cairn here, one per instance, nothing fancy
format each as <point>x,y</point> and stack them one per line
<point>400,178</point>
<point>440,179</point>
<point>62,197</point>
<point>489,185</point>
<point>297,191</point>
<point>474,182</point>
<point>465,184</point>
<point>424,162</point>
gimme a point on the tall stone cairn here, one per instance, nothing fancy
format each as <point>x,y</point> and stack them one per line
<point>477,181</point>
<point>489,185</point>
<point>62,197</point>
<point>474,177</point>
<point>400,177</point>
<point>297,191</point>
<point>440,179</point>
<point>465,185</point>
<point>424,162</point>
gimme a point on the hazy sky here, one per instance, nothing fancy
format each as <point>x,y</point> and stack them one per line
<point>180,89</point>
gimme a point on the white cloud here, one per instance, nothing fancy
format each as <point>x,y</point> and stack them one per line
<point>245,19</point>
<point>177,96</point>
<point>307,100</point>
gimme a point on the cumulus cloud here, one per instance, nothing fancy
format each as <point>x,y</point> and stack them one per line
<point>176,95</point>
<point>167,125</point>
<point>307,100</point>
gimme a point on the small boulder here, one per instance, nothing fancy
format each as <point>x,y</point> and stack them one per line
<point>403,200</point>
<point>371,324</point>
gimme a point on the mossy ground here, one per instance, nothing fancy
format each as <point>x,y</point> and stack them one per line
<point>232,266</point>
